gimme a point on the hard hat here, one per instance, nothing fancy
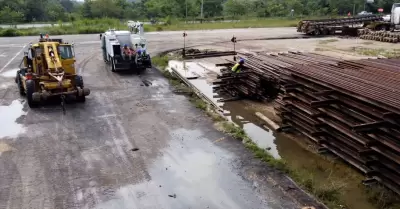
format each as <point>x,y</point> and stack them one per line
<point>241,60</point>
<point>125,45</point>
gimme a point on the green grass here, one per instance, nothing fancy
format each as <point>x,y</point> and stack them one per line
<point>84,26</point>
<point>160,61</point>
<point>389,53</point>
<point>250,23</point>
<point>93,26</point>
<point>198,102</point>
<point>383,198</point>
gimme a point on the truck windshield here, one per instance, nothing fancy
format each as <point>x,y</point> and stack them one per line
<point>66,52</point>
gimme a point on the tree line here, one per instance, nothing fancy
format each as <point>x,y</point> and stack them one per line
<point>15,11</point>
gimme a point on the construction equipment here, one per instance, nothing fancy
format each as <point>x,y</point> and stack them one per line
<point>47,70</point>
<point>124,50</point>
<point>330,26</point>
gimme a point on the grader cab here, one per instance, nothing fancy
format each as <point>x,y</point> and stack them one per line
<point>48,70</point>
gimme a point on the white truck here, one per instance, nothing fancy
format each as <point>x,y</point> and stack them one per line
<point>113,43</point>
<point>395,17</point>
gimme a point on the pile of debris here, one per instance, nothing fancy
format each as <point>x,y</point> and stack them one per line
<point>350,108</point>
<point>383,36</point>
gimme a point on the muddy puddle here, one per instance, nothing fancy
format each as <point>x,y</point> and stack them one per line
<point>9,115</point>
<point>189,175</point>
<point>296,154</point>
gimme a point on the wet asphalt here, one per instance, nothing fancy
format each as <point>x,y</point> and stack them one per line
<point>133,144</point>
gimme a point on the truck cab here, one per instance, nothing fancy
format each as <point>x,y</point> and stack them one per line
<point>112,43</point>
<point>395,17</point>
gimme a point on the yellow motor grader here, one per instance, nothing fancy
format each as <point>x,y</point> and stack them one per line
<point>48,70</point>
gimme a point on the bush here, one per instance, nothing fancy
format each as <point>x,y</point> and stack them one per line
<point>159,28</point>
<point>10,32</point>
<point>168,21</point>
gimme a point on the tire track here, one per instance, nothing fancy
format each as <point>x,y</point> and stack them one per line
<point>82,64</point>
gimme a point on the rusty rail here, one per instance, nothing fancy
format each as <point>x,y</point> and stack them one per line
<point>351,108</point>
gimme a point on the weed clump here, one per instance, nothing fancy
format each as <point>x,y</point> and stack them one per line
<point>160,61</point>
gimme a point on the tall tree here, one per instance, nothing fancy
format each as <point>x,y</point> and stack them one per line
<point>7,15</point>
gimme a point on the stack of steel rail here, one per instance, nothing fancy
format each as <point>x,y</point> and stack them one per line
<point>383,36</point>
<point>351,108</point>
<point>261,78</point>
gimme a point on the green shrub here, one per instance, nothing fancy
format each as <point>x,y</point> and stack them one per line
<point>159,28</point>
<point>10,32</point>
<point>168,21</point>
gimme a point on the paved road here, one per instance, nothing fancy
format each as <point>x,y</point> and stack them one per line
<point>84,160</point>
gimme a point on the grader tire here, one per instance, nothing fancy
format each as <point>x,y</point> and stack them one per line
<point>19,83</point>
<point>30,89</point>
<point>79,83</point>
<point>113,65</point>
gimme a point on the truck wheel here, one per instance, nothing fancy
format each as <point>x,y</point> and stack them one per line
<point>79,83</point>
<point>112,65</point>
<point>30,89</point>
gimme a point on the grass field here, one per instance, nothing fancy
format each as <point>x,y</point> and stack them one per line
<point>87,26</point>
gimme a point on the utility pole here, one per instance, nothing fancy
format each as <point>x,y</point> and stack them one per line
<point>202,3</point>
<point>233,40</point>
<point>184,44</point>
